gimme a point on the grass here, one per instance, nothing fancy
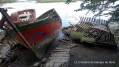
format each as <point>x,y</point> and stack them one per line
<point>48,1</point>
<point>76,35</point>
<point>7,1</point>
<point>79,35</point>
<point>88,39</point>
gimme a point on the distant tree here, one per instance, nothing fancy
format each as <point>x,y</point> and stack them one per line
<point>99,6</point>
<point>7,1</point>
<point>68,1</point>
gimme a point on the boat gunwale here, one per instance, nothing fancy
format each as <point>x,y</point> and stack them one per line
<point>37,22</point>
<point>24,27</point>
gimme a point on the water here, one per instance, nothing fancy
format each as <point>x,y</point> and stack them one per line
<point>65,11</point>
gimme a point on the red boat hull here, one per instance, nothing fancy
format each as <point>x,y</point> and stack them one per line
<point>36,34</point>
<point>40,33</point>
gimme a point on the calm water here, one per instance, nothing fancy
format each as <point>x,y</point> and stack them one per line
<point>65,11</point>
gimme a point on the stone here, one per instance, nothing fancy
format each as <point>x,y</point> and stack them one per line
<point>36,64</point>
<point>0,44</point>
<point>44,59</point>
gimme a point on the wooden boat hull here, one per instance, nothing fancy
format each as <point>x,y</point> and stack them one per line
<point>39,34</point>
<point>38,40</point>
<point>40,49</point>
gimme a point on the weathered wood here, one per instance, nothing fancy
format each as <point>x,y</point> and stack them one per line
<point>92,20</point>
<point>10,21</point>
<point>102,36</point>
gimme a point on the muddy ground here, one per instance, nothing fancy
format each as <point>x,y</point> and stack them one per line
<point>80,56</point>
<point>83,56</point>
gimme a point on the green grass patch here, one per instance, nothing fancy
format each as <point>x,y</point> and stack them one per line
<point>79,35</point>
<point>88,39</point>
<point>48,1</point>
<point>7,1</point>
<point>76,35</point>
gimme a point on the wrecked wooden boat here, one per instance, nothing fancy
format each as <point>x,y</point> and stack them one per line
<point>101,37</point>
<point>37,35</point>
<point>92,33</point>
